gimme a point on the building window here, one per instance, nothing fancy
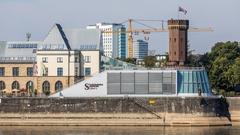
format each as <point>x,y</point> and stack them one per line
<point>44,59</point>
<point>45,71</point>
<point>46,87</point>
<point>59,71</point>
<point>2,85</point>
<point>29,86</point>
<point>175,39</point>
<point>15,85</point>
<point>76,59</point>
<point>15,71</point>
<point>87,59</point>
<point>87,71</point>
<point>29,71</point>
<point>58,86</point>
<point>59,59</point>
<point>76,71</point>
<point>2,71</point>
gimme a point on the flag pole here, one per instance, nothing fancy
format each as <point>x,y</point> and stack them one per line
<point>178,13</point>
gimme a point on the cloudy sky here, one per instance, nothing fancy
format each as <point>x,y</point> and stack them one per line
<point>38,16</point>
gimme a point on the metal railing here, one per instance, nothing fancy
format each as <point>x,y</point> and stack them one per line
<point>162,68</point>
<point>17,59</point>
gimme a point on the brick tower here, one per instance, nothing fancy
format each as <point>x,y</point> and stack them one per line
<point>178,38</point>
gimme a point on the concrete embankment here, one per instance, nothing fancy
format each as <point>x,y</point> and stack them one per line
<point>170,111</point>
<point>234,109</point>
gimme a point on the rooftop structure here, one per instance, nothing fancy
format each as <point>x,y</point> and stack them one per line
<point>72,39</point>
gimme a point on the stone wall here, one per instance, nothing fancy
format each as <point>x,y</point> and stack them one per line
<point>193,105</point>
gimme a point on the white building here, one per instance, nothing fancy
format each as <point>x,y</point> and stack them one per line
<point>70,52</point>
<point>140,49</point>
<point>114,42</point>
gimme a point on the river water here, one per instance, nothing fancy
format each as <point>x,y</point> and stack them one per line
<point>16,130</point>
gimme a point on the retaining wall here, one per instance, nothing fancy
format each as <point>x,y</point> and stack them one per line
<point>198,110</point>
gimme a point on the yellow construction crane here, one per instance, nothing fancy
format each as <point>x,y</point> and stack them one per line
<point>130,31</point>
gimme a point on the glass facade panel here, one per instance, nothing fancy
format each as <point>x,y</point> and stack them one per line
<point>206,80</point>
<point>190,88</point>
<point>185,77</point>
<point>194,76</point>
<point>195,88</point>
<point>192,81</point>
<point>185,88</point>
<point>141,83</point>
<point>203,81</point>
<point>167,80</point>
<point>155,77</point>
<point>190,74</point>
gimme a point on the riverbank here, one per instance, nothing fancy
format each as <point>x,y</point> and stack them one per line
<point>110,119</point>
<point>117,130</point>
<point>164,111</point>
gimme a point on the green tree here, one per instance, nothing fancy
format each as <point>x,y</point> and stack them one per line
<point>233,73</point>
<point>131,60</point>
<point>221,64</point>
<point>150,61</point>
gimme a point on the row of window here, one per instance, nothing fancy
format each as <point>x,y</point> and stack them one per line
<point>22,46</point>
<point>29,86</point>
<point>46,86</point>
<point>87,59</point>
<point>16,85</point>
<point>59,71</point>
<point>15,71</point>
<point>59,59</point>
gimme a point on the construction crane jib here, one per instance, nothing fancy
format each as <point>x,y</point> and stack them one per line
<point>146,31</point>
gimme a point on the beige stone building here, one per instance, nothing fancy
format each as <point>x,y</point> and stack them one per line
<point>16,76</point>
<point>62,59</point>
<point>53,71</point>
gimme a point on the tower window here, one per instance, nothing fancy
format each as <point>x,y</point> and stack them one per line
<point>175,39</point>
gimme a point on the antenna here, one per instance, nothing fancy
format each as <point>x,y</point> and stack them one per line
<point>28,36</point>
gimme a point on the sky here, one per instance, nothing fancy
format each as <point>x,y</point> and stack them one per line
<point>38,16</point>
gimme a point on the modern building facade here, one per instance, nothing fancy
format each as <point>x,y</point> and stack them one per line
<point>142,83</point>
<point>113,39</point>
<point>140,49</point>
<point>62,59</point>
